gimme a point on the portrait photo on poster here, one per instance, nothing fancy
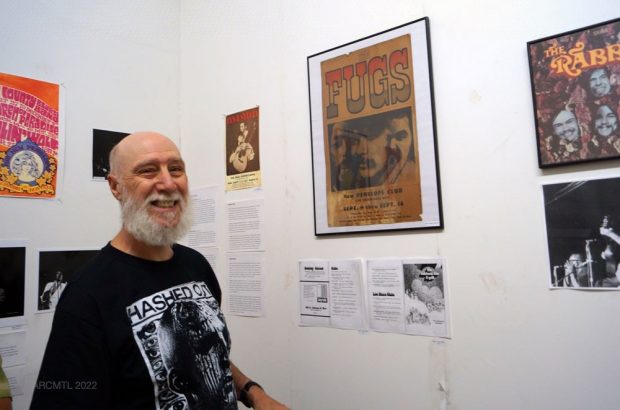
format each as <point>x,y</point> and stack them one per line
<point>103,142</point>
<point>12,282</point>
<point>575,78</point>
<point>583,233</point>
<point>56,269</point>
<point>373,134</point>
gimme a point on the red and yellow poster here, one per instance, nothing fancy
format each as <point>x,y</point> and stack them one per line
<point>243,150</point>
<point>576,89</point>
<point>370,141</point>
<point>29,137</point>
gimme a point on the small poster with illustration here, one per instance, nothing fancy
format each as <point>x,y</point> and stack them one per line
<point>242,150</point>
<point>29,137</point>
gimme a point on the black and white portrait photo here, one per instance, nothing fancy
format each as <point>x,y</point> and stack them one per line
<point>103,141</point>
<point>583,226</point>
<point>12,276</point>
<point>56,268</point>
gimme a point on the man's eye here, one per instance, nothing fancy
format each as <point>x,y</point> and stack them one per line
<point>400,135</point>
<point>146,171</point>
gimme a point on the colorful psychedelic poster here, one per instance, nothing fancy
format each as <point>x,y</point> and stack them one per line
<point>576,91</point>
<point>242,150</point>
<point>29,137</point>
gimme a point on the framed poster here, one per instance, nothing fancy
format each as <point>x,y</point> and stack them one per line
<point>575,80</point>
<point>373,134</point>
<point>582,220</point>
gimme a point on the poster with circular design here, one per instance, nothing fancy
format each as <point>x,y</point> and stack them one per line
<point>29,137</point>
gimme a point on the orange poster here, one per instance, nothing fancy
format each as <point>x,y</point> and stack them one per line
<point>243,150</point>
<point>373,136</point>
<point>29,137</point>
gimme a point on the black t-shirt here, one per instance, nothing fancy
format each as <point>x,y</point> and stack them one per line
<point>130,333</point>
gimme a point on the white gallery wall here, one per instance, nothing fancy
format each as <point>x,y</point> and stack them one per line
<point>180,67</point>
<point>118,63</point>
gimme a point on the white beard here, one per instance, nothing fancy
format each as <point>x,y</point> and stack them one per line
<point>141,226</point>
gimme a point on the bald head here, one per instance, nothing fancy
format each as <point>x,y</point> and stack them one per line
<point>147,177</point>
<point>136,144</point>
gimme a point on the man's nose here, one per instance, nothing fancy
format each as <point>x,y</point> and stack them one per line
<point>166,181</point>
<point>361,148</point>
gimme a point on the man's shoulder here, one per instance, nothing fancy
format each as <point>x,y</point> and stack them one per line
<point>185,252</point>
<point>90,269</point>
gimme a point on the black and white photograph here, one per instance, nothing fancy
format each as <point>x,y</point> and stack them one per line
<point>12,276</point>
<point>56,269</point>
<point>103,142</point>
<point>583,221</point>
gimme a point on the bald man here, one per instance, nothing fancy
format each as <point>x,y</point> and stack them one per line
<point>140,325</point>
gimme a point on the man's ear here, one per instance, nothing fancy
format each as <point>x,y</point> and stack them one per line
<point>114,186</point>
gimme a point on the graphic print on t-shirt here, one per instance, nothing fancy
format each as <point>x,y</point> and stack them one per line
<point>184,341</point>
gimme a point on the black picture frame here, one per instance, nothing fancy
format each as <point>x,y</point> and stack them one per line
<point>373,134</point>
<point>575,80</point>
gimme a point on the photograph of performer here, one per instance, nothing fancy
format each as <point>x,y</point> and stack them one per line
<point>12,281</point>
<point>103,141</point>
<point>56,269</point>
<point>244,152</point>
<point>371,151</point>
<point>605,121</point>
<point>566,141</point>
<point>575,272</point>
<point>605,141</point>
<point>582,242</point>
<point>52,291</point>
<point>599,82</point>
<point>611,254</point>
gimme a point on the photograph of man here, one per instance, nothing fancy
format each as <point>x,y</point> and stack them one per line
<point>583,252</point>
<point>103,141</point>
<point>127,322</point>
<point>605,140</point>
<point>56,269</point>
<point>12,280</point>
<point>605,121</point>
<point>52,291</point>
<point>244,152</point>
<point>575,272</point>
<point>372,150</point>
<point>565,142</point>
<point>599,82</point>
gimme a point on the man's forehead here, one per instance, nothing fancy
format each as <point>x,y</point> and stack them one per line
<point>146,146</point>
<point>563,116</point>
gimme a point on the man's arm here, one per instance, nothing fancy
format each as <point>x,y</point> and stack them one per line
<point>608,232</point>
<point>74,371</point>
<point>257,396</point>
